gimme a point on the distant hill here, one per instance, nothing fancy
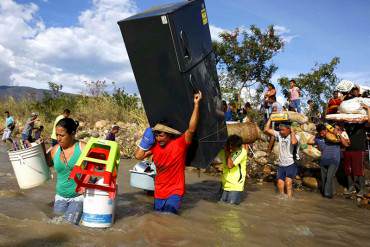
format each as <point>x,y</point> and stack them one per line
<point>19,92</point>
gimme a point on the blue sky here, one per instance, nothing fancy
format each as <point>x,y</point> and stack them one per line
<point>71,41</point>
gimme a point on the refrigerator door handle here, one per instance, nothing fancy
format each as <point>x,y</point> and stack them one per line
<point>192,84</point>
<point>185,46</point>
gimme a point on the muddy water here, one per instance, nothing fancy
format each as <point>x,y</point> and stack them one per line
<point>261,220</point>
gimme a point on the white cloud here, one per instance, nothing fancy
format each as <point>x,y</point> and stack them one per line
<point>284,32</point>
<point>361,78</point>
<point>93,49</point>
<point>216,31</point>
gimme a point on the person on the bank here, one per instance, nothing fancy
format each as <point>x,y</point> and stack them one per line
<point>334,103</point>
<point>63,157</point>
<point>271,91</point>
<point>295,96</point>
<point>234,169</point>
<point>245,112</point>
<point>354,93</point>
<point>38,132</point>
<point>169,147</point>
<point>234,111</point>
<point>330,156</point>
<point>227,111</point>
<point>9,127</point>
<point>111,136</point>
<point>65,114</point>
<point>276,107</point>
<point>288,145</point>
<point>266,106</point>
<point>354,156</point>
<point>313,113</point>
<point>27,130</point>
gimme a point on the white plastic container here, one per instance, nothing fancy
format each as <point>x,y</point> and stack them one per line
<point>141,179</point>
<point>98,209</point>
<point>30,167</point>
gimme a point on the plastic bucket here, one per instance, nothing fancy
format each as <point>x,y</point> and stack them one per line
<point>30,167</point>
<point>141,179</point>
<point>98,209</point>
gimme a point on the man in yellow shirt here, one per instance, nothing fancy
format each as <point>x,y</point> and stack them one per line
<point>234,169</point>
<point>65,114</point>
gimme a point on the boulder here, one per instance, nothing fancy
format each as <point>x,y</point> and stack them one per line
<point>82,134</point>
<point>310,182</point>
<point>261,160</point>
<point>259,154</point>
<point>266,170</point>
<point>310,164</point>
<point>95,134</point>
<point>101,124</point>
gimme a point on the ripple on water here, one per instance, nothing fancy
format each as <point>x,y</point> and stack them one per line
<point>10,193</point>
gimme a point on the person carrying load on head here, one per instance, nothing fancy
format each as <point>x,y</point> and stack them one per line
<point>295,96</point>
<point>354,156</point>
<point>65,114</point>
<point>333,103</point>
<point>234,169</point>
<point>63,157</point>
<point>169,147</point>
<point>288,143</point>
<point>330,156</point>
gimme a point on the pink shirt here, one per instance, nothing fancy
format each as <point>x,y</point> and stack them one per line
<point>294,93</point>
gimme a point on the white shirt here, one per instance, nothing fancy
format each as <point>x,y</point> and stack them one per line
<point>286,149</point>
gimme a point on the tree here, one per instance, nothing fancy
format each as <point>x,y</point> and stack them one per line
<point>318,84</point>
<point>244,58</point>
<point>55,89</point>
<point>95,88</point>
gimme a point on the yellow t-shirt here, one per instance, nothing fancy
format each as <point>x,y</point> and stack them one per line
<point>233,179</point>
<point>54,134</point>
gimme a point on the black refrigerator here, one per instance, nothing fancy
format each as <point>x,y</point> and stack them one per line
<point>170,51</point>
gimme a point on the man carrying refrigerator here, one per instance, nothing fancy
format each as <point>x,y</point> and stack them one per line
<point>169,148</point>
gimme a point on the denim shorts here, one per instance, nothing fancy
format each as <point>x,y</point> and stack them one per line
<point>287,171</point>
<point>171,204</point>
<point>25,137</point>
<point>70,208</point>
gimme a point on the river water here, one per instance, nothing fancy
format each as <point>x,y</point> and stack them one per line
<point>262,219</point>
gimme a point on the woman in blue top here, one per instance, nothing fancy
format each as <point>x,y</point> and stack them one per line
<point>63,157</point>
<point>330,157</point>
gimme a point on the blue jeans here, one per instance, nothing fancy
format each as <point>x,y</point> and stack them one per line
<point>171,204</point>
<point>233,197</point>
<point>296,104</point>
<point>71,208</point>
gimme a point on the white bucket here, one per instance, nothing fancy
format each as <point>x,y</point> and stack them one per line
<point>30,166</point>
<point>141,179</point>
<point>98,209</point>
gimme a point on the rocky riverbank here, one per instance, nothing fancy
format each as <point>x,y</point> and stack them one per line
<point>262,164</point>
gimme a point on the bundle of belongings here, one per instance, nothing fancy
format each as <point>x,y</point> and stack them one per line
<point>350,109</point>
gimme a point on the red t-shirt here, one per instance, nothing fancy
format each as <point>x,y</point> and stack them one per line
<point>170,163</point>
